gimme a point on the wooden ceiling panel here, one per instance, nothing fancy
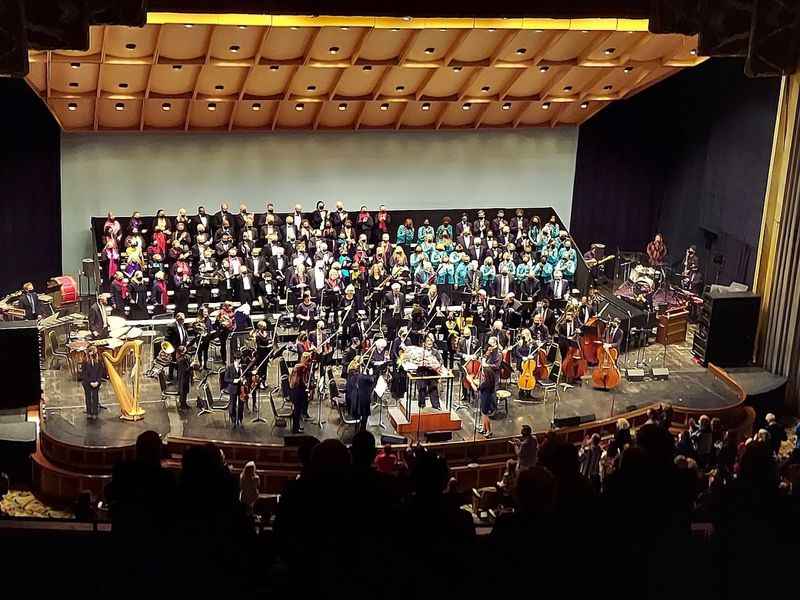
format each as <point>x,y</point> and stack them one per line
<point>255,114</point>
<point>124,79</point>
<point>221,81</point>
<point>114,113</point>
<point>165,114</point>
<point>130,42</point>
<point>385,73</point>
<point>184,42</point>
<point>174,80</point>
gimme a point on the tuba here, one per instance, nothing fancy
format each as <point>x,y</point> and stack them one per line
<point>128,398</point>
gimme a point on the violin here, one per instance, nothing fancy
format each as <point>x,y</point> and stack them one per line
<point>606,374</point>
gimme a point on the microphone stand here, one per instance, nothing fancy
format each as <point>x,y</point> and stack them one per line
<point>267,359</point>
<point>322,381</point>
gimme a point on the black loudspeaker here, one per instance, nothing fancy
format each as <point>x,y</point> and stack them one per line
<point>19,355</point>
<point>560,422</point>
<point>393,439</point>
<point>586,418</point>
<point>296,440</point>
<point>13,40</point>
<point>726,331</point>
<point>438,436</point>
<point>17,443</point>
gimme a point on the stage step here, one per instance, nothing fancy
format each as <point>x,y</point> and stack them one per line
<point>429,419</point>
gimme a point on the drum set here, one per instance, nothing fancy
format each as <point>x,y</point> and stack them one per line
<point>645,280</point>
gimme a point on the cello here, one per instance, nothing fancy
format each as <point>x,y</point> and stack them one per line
<point>606,374</point>
<point>574,364</point>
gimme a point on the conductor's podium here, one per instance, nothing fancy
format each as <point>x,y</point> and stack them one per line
<point>408,419</point>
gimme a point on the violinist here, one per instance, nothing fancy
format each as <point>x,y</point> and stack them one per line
<point>351,352</point>
<point>399,377</point>
<point>394,303</point>
<point>263,348</point>
<point>298,391</point>
<point>306,312</point>
<point>233,384</point>
<point>481,311</point>
<point>502,337</point>
<point>225,324</point>
<point>333,294</point>
<point>320,345</point>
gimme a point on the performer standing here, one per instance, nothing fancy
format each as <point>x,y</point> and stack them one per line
<point>184,370</point>
<point>394,303</point>
<point>487,392</point>
<point>657,251</point>
<point>429,387</point>
<point>298,386</point>
<point>29,301</point>
<point>233,385</point>
<point>92,379</point>
<point>98,319</point>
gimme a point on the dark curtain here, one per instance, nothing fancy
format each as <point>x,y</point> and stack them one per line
<point>689,158</point>
<point>30,189</point>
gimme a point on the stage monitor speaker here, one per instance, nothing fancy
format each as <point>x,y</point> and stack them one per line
<point>635,374</point>
<point>19,355</point>
<point>726,331</point>
<point>17,443</point>
<point>438,436</point>
<point>560,422</point>
<point>393,439</point>
<point>660,373</point>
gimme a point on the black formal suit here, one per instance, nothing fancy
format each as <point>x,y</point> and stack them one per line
<point>585,313</point>
<point>277,220</point>
<point>98,321</point>
<point>184,371</point>
<point>613,336</point>
<point>317,218</point>
<point>566,332</point>
<point>558,288</point>
<point>477,253</point>
<point>217,219</point>
<point>204,220</point>
<point>529,289</point>
<point>92,373</point>
<point>177,335</point>
<point>338,219</point>
<point>232,380</point>
<point>29,301</point>
<point>393,316</point>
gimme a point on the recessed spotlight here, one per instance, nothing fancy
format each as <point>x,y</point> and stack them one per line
<point>610,50</point>
<point>255,106</point>
<point>521,51</point>
<point>234,48</point>
<point>491,30</point>
<point>75,65</point>
<point>585,31</point>
<point>294,28</point>
<point>299,106</point>
<point>274,67</point>
<point>311,87</point>
<point>344,28</point>
<point>166,106</point>
<point>367,67</point>
<point>219,87</point>
<point>466,106</point>
<point>342,106</point>
<point>74,84</point>
<point>123,85</point>
<point>693,52</point>
<point>544,69</point>
<point>406,18</point>
<point>119,106</point>
<point>507,106</point>
<point>546,106</point>
<point>485,89</point>
<point>584,105</point>
<point>538,31</point>
<point>242,26</point>
<point>628,69</point>
<point>430,50</point>
<point>567,88</point>
<point>177,67</point>
<point>130,46</point>
<point>608,87</point>
<point>385,106</point>
<point>399,88</point>
<point>212,106</point>
<point>443,30</point>
<point>188,25</point>
<point>72,106</point>
<point>395,29</point>
<point>457,69</point>
<point>426,106</point>
<point>333,49</point>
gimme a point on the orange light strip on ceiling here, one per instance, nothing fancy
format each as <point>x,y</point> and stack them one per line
<point>163,18</point>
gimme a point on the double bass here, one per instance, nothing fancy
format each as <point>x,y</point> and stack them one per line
<point>534,368</point>
<point>472,373</point>
<point>606,374</point>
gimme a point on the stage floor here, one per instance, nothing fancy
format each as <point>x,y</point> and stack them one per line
<point>689,385</point>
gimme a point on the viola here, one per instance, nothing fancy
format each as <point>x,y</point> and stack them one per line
<point>606,374</point>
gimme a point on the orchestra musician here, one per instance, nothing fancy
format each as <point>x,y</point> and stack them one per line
<point>30,303</point>
<point>233,383</point>
<point>350,308</point>
<point>298,389</point>
<point>98,318</point>
<point>567,333</point>
<point>429,385</point>
<point>540,332</point>
<point>585,311</point>
<point>306,312</point>
<point>225,324</point>
<point>691,278</point>
<point>204,327</point>
<point>263,349</point>
<point>548,317</point>
<point>399,376</point>
<point>492,357</point>
<point>333,295</point>
<point>481,311</point>
<point>394,304</point>
<point>183,369</point>
<point>92,378</point>
<point>511,311</point>
<point>612,336</point>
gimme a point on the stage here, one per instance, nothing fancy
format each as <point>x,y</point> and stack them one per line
<point>689,386</point>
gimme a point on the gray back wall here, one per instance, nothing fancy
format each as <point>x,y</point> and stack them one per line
<point>414,170</point>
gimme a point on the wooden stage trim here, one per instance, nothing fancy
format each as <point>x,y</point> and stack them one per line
<point>62,470</point>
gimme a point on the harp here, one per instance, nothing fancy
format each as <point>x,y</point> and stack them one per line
<point>128,397</point>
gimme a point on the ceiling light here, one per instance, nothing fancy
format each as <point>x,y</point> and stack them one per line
<point>430,50</point>
<point>166,106</point>
<point>219,87</point>
<point>255,106</point>
<point>544,69</point>
<point>399,88</point>
<point>73,84</point>
<point>538,31</point>
<point>293,28</point>
<point>333,49</point>
<point>628,69</point>
<point>72,106</point>
<point>585,31</point>
<point>367,67</point>
<point>546,106</point>
<point>426,106</point>
<point>485,89</point>
<point>584,105</point>
<point>608,87</point>
<point>610,50</point>
<point>457,69</point>
<point>521,51</point>
<point>343,106</point>
<point>507,106</point>
<point>443,30</point>
<point>131,46</point>
<point>311,87</point>
<point>406,18</point>
<point>274,67</point>
<point>242,26</point>
<point>466,106</point>
<point>567,88</point>
<point>212,106</point>
<point>75,65</point>
<point>490,30</point>
<point>119,106</point>
<point>177,67</point>
<point>188,25</point>
<point>299,106</point>
<point>693,52</point>
<point>344,28</point>
<point>395,29</point>
<point>123,85</point>
<point>385,106</point>
<point>234,48</point>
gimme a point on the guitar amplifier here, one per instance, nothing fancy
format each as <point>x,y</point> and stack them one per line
<point>726,330</point>
<point>672,327</point>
